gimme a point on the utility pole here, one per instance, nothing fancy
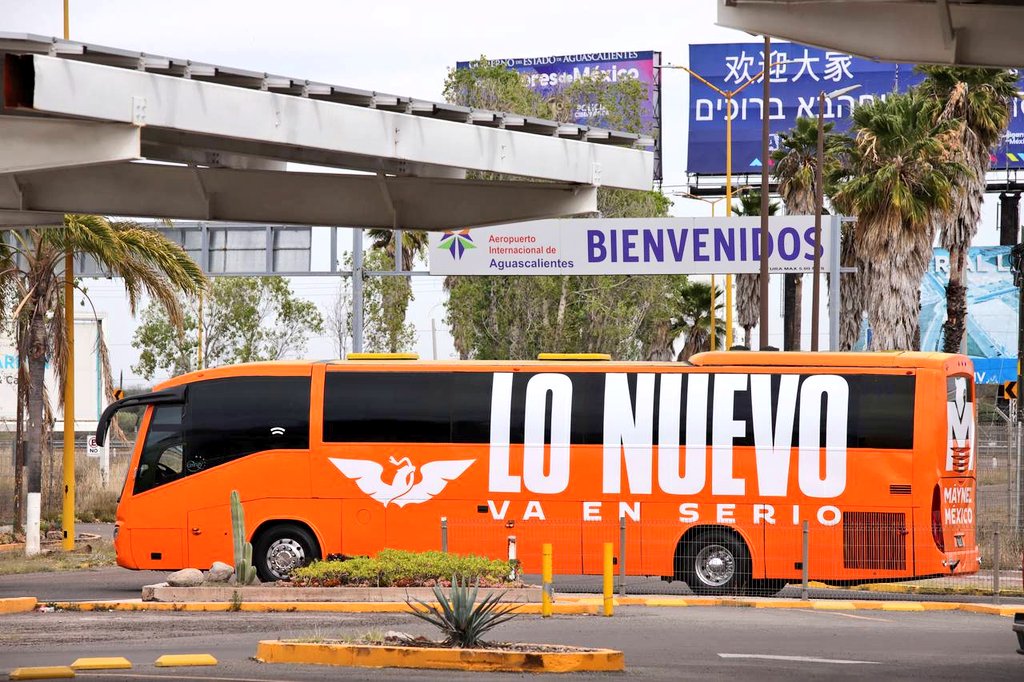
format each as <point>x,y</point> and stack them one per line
<point>1017,267</point>
<point>765,130</point>
<point>68,513</point>
<point>357,290</point>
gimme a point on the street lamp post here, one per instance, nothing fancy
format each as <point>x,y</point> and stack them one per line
<point>728,282</point>
<point>729,95</point>
<point>819,194</point>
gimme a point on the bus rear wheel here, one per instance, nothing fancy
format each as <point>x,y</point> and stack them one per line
<point>715,562</point>
<point>281,549</point>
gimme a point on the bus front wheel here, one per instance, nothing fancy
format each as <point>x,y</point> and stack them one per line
<point>716,562</point>
<point>281,549</point>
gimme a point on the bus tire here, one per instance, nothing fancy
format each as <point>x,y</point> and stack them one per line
<point>716,562</point>
<point>282,548</point>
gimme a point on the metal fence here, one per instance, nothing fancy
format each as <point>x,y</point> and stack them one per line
<point>880,551</point>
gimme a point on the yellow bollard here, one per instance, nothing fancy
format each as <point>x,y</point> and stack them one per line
<point>545,597</point>
<point>609,604</point>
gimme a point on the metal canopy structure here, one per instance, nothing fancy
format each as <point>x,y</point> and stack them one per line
<point>960,32</point>
<point>92,129</point>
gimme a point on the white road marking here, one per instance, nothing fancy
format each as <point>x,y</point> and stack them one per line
<point>799,659</point>
<point>847,615</point>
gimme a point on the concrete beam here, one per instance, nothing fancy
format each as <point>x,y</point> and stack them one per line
<point>30,219</point>
<point>964,33</point>
<point>161,191</point>
<point>289,128</point>
<point>32,143</point>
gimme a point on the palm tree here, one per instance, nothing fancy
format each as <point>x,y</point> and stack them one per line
<point>900,172</point>
<point>979,100</point>
<point>31,275</point>
<point>693,319</point>
<point>414,244</point>
<point>748,286</point>
<point>796,161</point>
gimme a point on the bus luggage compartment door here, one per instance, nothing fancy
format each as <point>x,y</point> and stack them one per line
<point>363,527</point>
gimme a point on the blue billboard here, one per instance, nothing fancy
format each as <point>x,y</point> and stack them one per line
<point>804,72</point>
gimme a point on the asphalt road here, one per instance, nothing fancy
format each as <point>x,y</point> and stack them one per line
<point>660,644</point>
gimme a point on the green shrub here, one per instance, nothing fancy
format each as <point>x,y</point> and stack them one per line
<point>398,568</point>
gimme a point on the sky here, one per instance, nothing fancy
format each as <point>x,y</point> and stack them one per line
<point>396,46</point>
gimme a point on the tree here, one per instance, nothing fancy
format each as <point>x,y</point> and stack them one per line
<point>748,286</point>
<point>516,316</point>
<point>899,172</point>
<point>339,317</point>
<point>32,279</point>
<point>978,101</point>
<point>245,319</point>
<point>796,162</point>
<point>385,300</point>
<point>414,244</point>
<point>694,322</point>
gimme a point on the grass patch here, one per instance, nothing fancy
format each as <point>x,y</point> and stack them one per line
<point>50,560</point>
<point>397,568</point>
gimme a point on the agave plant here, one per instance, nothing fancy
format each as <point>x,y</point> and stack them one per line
<point>460,617</point>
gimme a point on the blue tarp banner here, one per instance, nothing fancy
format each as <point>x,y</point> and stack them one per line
<point>992,301</point>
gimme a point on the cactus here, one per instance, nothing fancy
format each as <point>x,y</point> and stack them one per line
<point>245,572</point>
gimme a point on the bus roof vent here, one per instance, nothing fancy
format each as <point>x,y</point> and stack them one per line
<point>575,356</point>
<point>383,356</point>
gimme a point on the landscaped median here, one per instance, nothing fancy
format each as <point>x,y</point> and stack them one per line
<point>555,660</point>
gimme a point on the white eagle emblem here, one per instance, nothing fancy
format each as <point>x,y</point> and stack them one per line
<point>403,489</point>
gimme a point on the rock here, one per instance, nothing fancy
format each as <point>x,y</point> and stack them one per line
<point>393,636</point>
<point>186,577</point>
<point>220,572</point>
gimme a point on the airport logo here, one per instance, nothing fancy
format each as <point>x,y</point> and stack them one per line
<point>457,243</point>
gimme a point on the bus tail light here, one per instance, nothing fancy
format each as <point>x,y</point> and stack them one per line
<point>937,519</point>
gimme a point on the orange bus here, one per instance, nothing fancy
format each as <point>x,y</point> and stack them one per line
<point>714,466</point>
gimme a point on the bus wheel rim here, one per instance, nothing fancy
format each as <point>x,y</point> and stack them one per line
<point>285,555</point>
<point>715,565</point>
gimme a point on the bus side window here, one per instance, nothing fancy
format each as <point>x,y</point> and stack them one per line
<point>384,407</point>
<point>231,418</point>
<point>162,459</point>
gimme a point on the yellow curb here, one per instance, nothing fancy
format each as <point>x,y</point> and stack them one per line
<point>703,601</point>
<point>833,606</point>
<point>176,660</point>
<point>51,672</point>
<point>11,546</point>
<point>630,601</point>
<point>17,604</point>
<point>667,601</point>
<point>476,660</point>
<point>901,606</point>
<point>783,604</point>
<point>991,609</point>
<point>287,607</point>
<point>110,663</point>
<point>940,606</point>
